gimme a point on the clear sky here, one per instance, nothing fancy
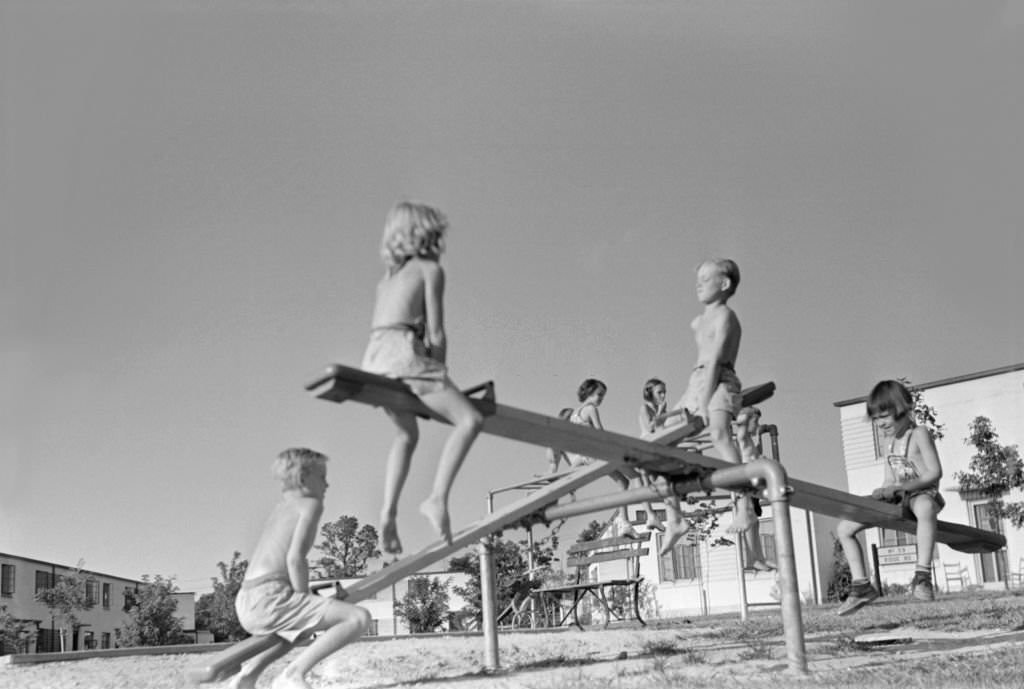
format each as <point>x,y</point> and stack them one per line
<point>193,193</point>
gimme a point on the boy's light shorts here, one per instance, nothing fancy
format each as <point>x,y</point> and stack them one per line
<point>268,605</point>
<point>727,397</point>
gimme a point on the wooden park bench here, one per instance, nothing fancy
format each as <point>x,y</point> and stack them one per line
<point>581,556</point>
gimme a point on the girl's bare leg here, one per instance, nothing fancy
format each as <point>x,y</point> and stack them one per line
<point>676,526</point>
<point>846,533</point>
<point>927,524</point>
<point>399,457</point>
<point>467,421</point>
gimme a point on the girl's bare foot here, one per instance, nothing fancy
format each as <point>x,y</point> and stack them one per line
<point>389,542</point>
<point>743,516</point>
<point>437,512</point>
<point>762,566</point>
<point>654,525</point>
<point>676,530</point>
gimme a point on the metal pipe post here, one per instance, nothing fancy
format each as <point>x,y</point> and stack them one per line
<point>489,623</point>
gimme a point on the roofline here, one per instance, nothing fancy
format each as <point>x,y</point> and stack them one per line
<point>86,570</point>
<point>945,381</point>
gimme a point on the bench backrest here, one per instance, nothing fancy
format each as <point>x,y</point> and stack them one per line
<point>582,555</point>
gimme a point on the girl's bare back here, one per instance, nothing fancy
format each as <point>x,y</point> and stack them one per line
<point>401,296</point>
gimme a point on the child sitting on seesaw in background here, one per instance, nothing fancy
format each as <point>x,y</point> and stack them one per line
<point>591,394</point>
<point>408,342</point>
<point>912,473</point>
<point>714,393</point>
<point>275,598</point>
<point>556,455</point>
<point>747,425</point>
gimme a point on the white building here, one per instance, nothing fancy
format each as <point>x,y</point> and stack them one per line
<point>997,394</point>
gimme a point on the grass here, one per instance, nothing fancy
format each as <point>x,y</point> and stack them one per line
<point>695,652</point>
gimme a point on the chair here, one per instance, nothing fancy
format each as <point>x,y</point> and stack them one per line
<point>955,572</point>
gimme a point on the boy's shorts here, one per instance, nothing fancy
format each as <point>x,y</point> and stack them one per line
<point>268,605</point>
<point>727,397</point>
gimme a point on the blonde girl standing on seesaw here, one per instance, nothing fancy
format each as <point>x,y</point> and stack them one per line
<point>408,342</point>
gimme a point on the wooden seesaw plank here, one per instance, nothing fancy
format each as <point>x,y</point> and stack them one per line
<point>343,383</point>
<point>837,503</point>
<point>228,662</point>
<point>866,510</point>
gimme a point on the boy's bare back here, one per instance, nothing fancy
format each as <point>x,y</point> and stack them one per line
<point>287,537</point>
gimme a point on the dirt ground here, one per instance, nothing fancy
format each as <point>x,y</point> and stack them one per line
<point>537,661</point>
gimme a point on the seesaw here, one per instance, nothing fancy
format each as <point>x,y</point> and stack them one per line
<point>341,383</point>
<point>683,470</point>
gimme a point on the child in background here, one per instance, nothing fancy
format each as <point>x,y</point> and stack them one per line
<point>555,455</point>
<point>591,393</point>
<point>747,424</point>
<point>652,413</point>
<point>275,598</point>
<point>912,473</point>
<point>408,342</point>
<point>652,417</point>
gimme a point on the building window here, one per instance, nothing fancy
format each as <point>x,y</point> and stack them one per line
<point>106,600</point>
<point>7,581</point>
<point>92,592</point>
<point>48,641</point>
<point>890,538</point>
<point>129,599</point>
<point>373,629</point>
<point>641,516</point>
<point>105,640</point>
<point>44,580</point>
<point>683,563</point>
<point>89,642</point>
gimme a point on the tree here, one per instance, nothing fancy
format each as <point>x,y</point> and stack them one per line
<point>994,470</point>
<point>215,611</point>
<point>347,548</point>
<point>12,633</point>
<point>924,413</point>
<point>424,605</point>
<point>67,596</point>
<point>513,580</point>
<point>152,619</point>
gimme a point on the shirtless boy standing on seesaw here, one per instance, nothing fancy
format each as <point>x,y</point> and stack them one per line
<point>275,598</point>
<point>714,393</point>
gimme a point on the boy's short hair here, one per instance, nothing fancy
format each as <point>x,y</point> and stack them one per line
<point>294,464</point>
<point>728,268</point>
<point>412,230</point>
<point>649,388</point>
<point>588,387</point>
<point>890,397</point>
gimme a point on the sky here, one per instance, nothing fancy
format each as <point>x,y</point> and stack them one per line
<point>192,196</point>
